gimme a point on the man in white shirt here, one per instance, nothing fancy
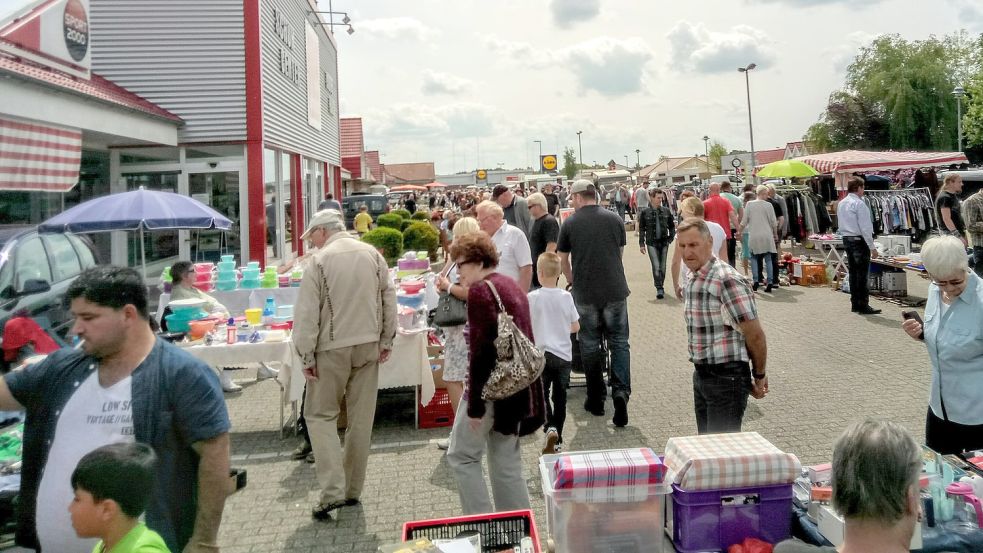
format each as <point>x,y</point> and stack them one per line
<point>853,217</point>
<point>642,197</point>
<point>515,258</point>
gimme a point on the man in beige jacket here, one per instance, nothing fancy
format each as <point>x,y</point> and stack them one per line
<point>344,325</point>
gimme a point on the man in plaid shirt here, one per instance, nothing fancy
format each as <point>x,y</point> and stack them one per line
<point>973,215</point>
<point>724,334</point>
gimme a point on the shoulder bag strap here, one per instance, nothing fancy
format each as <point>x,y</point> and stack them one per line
<point>501,307</point>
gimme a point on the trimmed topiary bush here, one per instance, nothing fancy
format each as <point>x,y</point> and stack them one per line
<point>406,224</point>
<point>404,213</point>
<point>389,240</point>
<point>421,236</point>
<point>390,220</point>
<point>420,216</point>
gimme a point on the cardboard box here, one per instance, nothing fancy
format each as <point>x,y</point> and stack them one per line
<point>831,526</point>
<point>438,373</point>
<point>435,351</point>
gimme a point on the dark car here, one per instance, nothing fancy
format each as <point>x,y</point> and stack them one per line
<point>36,271</point>
<point>377,204</point>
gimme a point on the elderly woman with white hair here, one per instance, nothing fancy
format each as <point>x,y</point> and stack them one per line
<point>953,334</point>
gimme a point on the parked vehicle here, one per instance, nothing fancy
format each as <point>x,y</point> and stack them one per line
<point>377,204</point>
<point>36,271</point>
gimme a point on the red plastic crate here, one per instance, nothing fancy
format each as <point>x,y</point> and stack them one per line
<point>438,412</point>
<point>498,530</point>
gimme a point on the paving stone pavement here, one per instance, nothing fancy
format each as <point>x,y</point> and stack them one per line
<point>827,367</point>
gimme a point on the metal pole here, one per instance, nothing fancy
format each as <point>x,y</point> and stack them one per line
<point>580,146</point>
<point>750,126</point>
<point>331,15</point>
<point>143,255</point>
<point>959,123</point>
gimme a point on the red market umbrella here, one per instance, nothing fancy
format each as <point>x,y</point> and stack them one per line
<point>408,188</point>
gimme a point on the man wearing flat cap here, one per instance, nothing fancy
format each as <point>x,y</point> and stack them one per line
<point>344,325</point>
<point>515,207</point>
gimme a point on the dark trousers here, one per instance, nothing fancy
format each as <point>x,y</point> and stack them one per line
<point>301,421</point>
<point>978,260</point>
<point>947,437</point>
<point>732,248</point>
<point>858,261</point>
<point>556,380</point>
<point>657,257</point>
<point>609,322</point>
<point>720,393</point>
<point>772,268</point>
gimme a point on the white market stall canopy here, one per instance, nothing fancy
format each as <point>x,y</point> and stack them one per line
<point>851,161</point>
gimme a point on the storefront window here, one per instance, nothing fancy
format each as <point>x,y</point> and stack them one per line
<point>221,192</point>
<point>158,245</point>
<point>284,208</point>
<point>270,200</point>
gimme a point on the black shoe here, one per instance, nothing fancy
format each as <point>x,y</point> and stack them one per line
<point>302,451</point>
<point>755,286</point>
<point>620,411</point>
<point>768,289</point>
<point>596,409</point>
<point>351,502</point>
<point>868,311</point>
<point>323,512</point>
<point>660,294</point>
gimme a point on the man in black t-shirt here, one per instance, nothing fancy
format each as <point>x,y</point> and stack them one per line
<point>949,209</point>
<point>595,238</point>
<point>552,201</point>
<point>544,233</point>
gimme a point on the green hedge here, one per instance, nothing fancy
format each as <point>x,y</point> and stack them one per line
<point>404,213</point>
<point>421,236</point>
<point>391,220</point>
<point>421,216</point>
<point>389,240</point>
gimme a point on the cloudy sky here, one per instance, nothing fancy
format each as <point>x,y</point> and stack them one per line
<point>471,84</point>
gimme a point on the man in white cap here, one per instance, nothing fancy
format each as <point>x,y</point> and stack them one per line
<point>344,325</point>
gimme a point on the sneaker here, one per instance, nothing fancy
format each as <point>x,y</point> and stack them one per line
<point>302,451</point>
<point>552,437</point>
<point>310,458</point>
<point>660,294</point>
<point>443,443</point>
<point>264,372</point>
<point>620,411</point>
<point>323,512</point>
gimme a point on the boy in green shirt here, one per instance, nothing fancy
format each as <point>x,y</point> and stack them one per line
<point>112,488</point>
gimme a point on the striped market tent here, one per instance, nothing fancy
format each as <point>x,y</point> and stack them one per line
<point>850,161</point>
<point>36,157</point>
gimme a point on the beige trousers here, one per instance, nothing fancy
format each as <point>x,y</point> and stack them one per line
<point>350,374</point>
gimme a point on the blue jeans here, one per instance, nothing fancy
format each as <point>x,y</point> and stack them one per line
<point>657,256</point>
<point>720,393</point>
<point>608,321</point>
<point>756,267</point>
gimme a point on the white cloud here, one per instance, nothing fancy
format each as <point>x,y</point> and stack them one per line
<point>843,54</point>
<point>609,66</point>
<point>435,82</point>
<point>695,48</point>
<point>415,121</point>
<point>813,3</point>
<point>392,28</point>
<point>567,13</point>
<point>970,13</point>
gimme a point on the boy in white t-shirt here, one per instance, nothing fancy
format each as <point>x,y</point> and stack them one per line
<point>554,319</point>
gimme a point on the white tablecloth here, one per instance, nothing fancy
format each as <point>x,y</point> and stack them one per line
<point>408,365</point>
<point>280,353</point>
<point>237,301</point>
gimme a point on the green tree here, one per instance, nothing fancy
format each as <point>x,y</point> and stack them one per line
<point>570,165</point>
<point>898,94</point>
<point>717,150</point>
<point>973,112</point>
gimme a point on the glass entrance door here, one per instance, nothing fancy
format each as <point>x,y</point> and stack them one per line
<point>220,191</point>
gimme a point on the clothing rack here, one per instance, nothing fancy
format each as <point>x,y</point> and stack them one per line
<point>913,214</point>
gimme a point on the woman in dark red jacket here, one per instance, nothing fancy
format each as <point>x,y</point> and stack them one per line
<point>495,425</point>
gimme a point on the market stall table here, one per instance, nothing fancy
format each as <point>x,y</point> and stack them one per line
<point>237,301</point>
<point>831,256</point>
<point>281,353</point>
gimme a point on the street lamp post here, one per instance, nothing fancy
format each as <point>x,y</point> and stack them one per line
<point>638,159</point>
<point>626,161</point>
<point>750,126</point>
<point>540,142</point>
<point>706,151</point>
<point>580,146</point>
<point>959,92</point>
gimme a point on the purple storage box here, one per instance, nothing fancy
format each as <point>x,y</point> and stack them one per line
<point>713,520</point>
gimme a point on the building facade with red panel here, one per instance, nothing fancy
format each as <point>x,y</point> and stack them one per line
<point>252,86</point>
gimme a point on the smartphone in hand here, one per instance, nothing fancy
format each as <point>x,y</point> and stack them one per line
<point>913,315</point>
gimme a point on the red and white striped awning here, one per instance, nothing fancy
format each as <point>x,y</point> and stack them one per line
<point>38,157</point>
<point>850,161</point>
